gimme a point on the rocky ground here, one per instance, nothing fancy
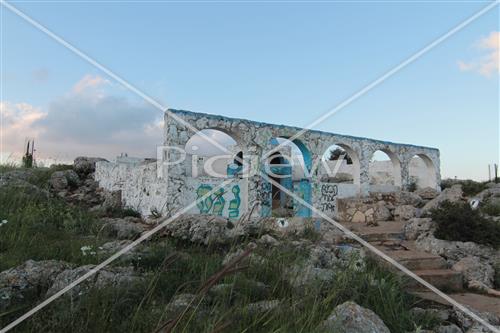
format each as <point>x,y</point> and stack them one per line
<point>209,274</point>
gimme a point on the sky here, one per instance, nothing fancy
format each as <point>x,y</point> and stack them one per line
<point>278,62</point>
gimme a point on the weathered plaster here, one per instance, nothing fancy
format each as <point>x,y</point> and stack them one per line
<point>177,187</point>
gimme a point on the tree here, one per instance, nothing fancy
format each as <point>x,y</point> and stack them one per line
<point>338,153</point>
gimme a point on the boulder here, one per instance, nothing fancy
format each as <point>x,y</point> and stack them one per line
<point>427,193</point>
<point>268,241</point>
<point>86,165</point>
<point>452,194</point>
<point>202,229</point>
<point>453,251</point>
<point>123,228</point>
<point>179,303</point>
<point>301,277</point>
<point>262,307</point>
<point>63,180</point>
<point>109,276</point>
<point>404,212</point>
<point>252,258</point>
<point>470,325</point>
<point>442,314</point>
<point>30,279</point>
<point>112,199</point>
<point>418,226</point>
<point>475,269</point>
<point>349,317</point>
<point>449,329</point>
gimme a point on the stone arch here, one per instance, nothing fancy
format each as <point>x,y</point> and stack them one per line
<point>422,171</point>
<point>390,168</point>
<point>289,164</point>
<point>205,158</point>
<point>351,164</point>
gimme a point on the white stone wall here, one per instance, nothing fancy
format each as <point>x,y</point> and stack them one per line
<point>143,190</point>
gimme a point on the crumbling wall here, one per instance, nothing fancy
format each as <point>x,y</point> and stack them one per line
<point>176,187</point>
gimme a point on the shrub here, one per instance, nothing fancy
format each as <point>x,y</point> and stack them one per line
<point>470,187</point>
<point>459,222</point>
<point>492,209</point>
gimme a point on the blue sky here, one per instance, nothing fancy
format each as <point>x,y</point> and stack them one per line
<point>275,62</point>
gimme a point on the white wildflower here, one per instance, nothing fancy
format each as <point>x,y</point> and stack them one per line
<point>3,222</point>
<point>85,249</point>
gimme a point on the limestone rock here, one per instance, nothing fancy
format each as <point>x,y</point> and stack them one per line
<point>454,251</point>
<point>180,302</point>
<point>300,276</point>
<point>123,228</point>
<point>262,307</point>
<point>29,279</point>
<point>382,213</point>
<point>358,217</point>
<point>427,193</point>
<point>452,194</point>
<point>349,317</point>
<point>474,269</point>
<point>442,314</point>
<point>269,241</point>
<point>418,226</point>
<point>203,229</point>
<point>85,165</point>
<point>404,212</point>
<point>449,329</point>
<point>63,180</point>
<point>110,276</point>
<point>112,199</point>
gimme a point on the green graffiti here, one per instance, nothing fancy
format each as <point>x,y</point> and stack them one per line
<point>219,202</point>
<point>206,204</point>
<point>234,204</point>
<point>215,203</point>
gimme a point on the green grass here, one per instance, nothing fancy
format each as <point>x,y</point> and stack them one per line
<point>141,307</point>
<point>41,227</point>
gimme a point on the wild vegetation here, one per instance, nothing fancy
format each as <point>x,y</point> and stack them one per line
<point>470,187</point>
<point>40,226</point>
<point>457,221</point>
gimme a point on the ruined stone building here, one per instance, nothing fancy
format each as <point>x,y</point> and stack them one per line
<point>177,178</point>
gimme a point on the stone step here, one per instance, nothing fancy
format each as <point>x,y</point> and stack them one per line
<point>413,259</point>
<point>384,231</point>
<point>444,279</point>
<point>479,302</point>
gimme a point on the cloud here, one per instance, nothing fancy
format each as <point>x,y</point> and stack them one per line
<point>487,64</point>
<point>89,82</point>
<point>18,121</point>
<point>86,121</point>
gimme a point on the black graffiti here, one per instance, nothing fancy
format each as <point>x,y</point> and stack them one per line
<point>328,206</point>
<point>264,194</point>
<point>329,193</point>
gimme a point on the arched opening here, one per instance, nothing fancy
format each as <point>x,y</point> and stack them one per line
<point>206,158</point>
<point>422,172</point>
<point>385,170</point>
<point>340,165</point>
<point>289,166</point>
